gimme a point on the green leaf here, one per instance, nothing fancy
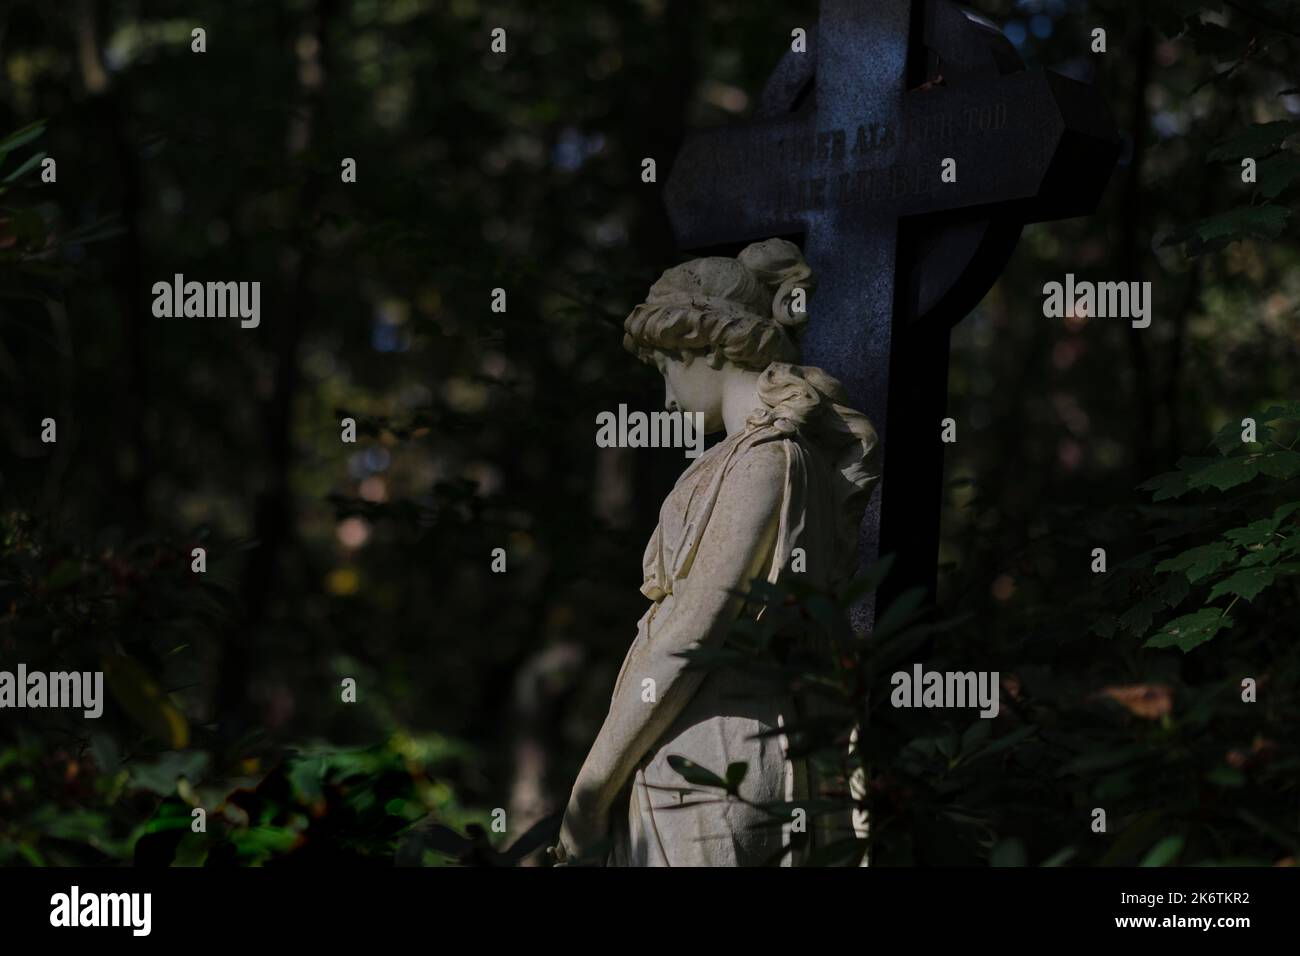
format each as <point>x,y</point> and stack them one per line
<point>1061,857</point>
<point>260,843</point>
<point>975,734</point>
<point>65,574</point>
<point>1105,625</point>
<point>694,773</point>
<point>160,774</point>
<point>1226,777</point>
<point>1228,438</point>
<point>105,227</point>
<point>1265,222</point>
<point>26,167</point>
<point>868,581</point>
<point>1260,555</point>
<point>1226,473</point>
<point>1255,534</point>
<point>1163,852</point>
<point>21,138</point>
<point>1092,761</point>
<point>28,227</point>
<point>1176,589</point>
<point>1280,463</point>
<point>306,777</point>
<point>1137,619</point>
<point>73,824</point>
<point>107,757</point>
<point>1256,141</point>
<point>1275,174</point>
<point>1191,630</point>
<point>142,698</point>
<point>1200,561</point>
<point>899,613</point>
<point>824,611</point>
<point>1247,583</point>
<point>1287,410</point>
<point>1282,512</point>
<point>1171,484</point>
<point>1016,737</point>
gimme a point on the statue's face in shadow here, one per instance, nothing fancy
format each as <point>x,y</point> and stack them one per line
<point>696,387</point>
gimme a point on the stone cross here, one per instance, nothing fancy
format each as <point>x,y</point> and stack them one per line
<point>845,155</point>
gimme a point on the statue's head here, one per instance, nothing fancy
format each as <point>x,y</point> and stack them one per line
<point>705,318</point>
<point>708,314</point>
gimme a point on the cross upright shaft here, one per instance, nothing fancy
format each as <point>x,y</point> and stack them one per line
<point>842,154</point>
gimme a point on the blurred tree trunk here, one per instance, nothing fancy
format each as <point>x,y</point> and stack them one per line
<point>134,463</point>
<point>541,688</point>
<point>274,518</point>
<point>1131,248</point>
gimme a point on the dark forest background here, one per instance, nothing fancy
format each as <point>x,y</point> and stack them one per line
<point>372,561</point>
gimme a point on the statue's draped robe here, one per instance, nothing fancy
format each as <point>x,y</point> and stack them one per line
<point>739,512</point>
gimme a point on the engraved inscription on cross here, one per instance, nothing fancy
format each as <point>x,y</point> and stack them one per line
<point>845,154</point>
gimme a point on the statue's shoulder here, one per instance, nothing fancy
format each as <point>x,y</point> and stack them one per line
<point>761,457</point>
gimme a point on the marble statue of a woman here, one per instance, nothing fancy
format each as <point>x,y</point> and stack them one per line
<point>794,472</point>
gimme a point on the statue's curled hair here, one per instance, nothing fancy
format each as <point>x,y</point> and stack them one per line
<point>749,312</point>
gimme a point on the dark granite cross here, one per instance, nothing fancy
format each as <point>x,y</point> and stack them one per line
<point>846,151</point>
